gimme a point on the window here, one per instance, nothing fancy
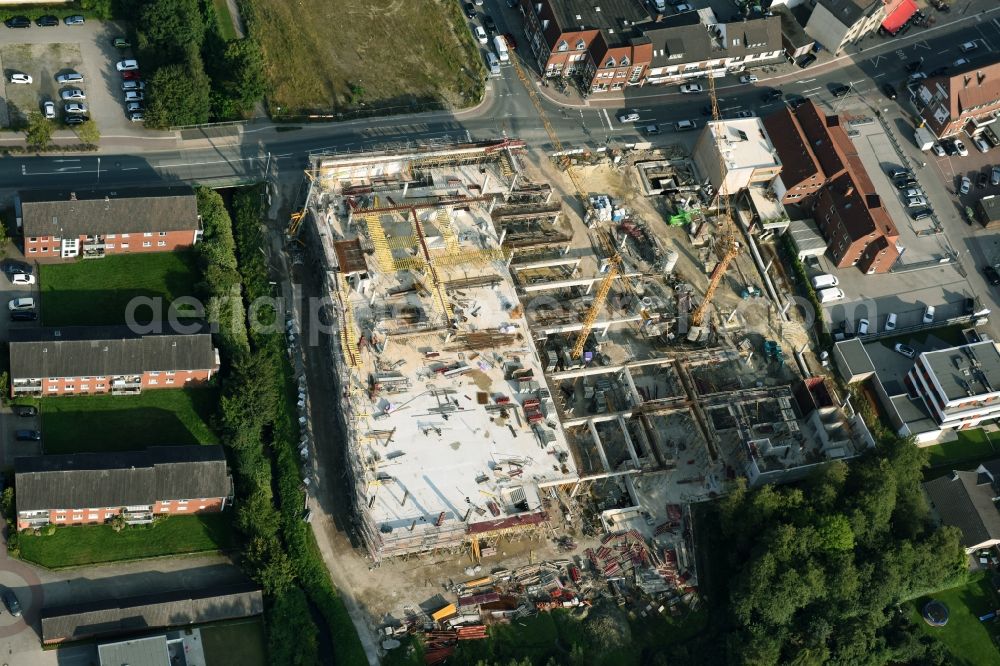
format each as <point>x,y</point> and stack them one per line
<point>110,246</point>
<point>563,46</point>
<point>32,249</point>
<point>124,246</point>
<point>170,381</point>
<point>110,235</point>
<point>154,374</point>
<point>161,243</point>
<point>581,45</point>
<point>610,63</point>
<point>153,381</point>
<point>162,234</point>
<point>53,389</point>
<point>84,387</point>
<point>45,249</point>
<point>147,244</point>
<point>147,234</point>
<point>33,239</point>
<point>624,62</point>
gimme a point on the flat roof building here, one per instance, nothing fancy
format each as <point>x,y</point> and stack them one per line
<point>960,386</point>
<point>735,154</point>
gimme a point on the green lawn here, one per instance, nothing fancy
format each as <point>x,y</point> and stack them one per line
<point>970,641</point>
<point>225,20</point>
<point>239,642</point>
<point>77,546</point>
<point>97,291</point>
<point>125,423</point>
<point>971,448</point>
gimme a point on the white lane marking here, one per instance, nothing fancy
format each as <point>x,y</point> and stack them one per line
<point>606,120</point>
<point>879,75</point>
<point>74,160</point>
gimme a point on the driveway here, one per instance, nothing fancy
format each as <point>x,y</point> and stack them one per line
<point>86,48</point>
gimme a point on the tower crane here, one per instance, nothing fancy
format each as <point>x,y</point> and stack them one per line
<point>614,258</point>
<point>728,247</point>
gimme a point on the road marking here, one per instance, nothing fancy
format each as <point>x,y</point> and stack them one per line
<point>812,89</point>
<point>807,80</point>
<point>874,61</point>
<point>74,160</point>
<point>605,118</point>
<point>922,44</point>
<point>130,168</point>
<point>945,51</point>
<point>879,75</point>
<point>983,38</point>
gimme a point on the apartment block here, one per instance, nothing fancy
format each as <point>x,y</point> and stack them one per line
<point>960,386</point>
<point>965,101</point>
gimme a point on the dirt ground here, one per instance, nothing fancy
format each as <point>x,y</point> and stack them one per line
<point>43,62</point>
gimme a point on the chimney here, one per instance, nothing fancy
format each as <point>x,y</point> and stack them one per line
<point>72,196</point>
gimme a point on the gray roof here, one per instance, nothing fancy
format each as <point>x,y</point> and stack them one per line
<point>850,12</point>
<point>965,500</point>
<point>572,15</point>
<point>129,478</point>
<point>971,368</point>
<point>857,359</point>
<point>913,414</point>
<point>103,351</point>
<point>148,651</point>
<point>688,40</point>
<point>114,617</point>
<point>72,213</point>
<point>990,208</point>
<point>791,29</point>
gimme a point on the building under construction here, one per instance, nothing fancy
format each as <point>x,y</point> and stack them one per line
<point>452,435</point>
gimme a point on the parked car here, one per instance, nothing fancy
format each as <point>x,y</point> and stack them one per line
<point>807,60</point>
<point>960,148</point>
<point>11,602</point>
<point>18,77</point>
<point>23,303</point>
<point>890,322</point>
<point>651,130</point>
<point>889,90</point>
<point>949,147</point>
<point>628,116</point>
<point>921,213</point>
<point>899,172</point>
<point>75,120</point>
<point>75,107</point>
<point>71,94</point>
<point>748,78</point>
<point>47,21</point>
<point>23,315</point>
<point>904,183</point>
<point>929,314</point>
<point>22,278</point>
<point>25,410</point>
<point>684,125</point>
<point>133,96</point>
<point>968,47</point>
<point>75,19</point>
<point>136,116</point>
<point>27,436</point>
<point>982,180</point>
<point>863,327</point>
<point>995,176</point>
<point>840,91</point>
<point>982,144</point>
<point>938,71</point>
<point>121,43</point>
<point>771,96</point>
<point>908,352</point>
<point>688,88</point>
<point>70,77</point>
<point>938,150</point>
<point>489,23</point>
<point>127,65</point>
<point>830,295</point>
<point>913,192</point>
<point>991,275</point>
<point>18,22</point>
<point>470,10</point>
<point>133,106</point>
<point>965,186</point>
<point>917,76</point>
<point>913,202</point>
<point>49,110</point>
<point>133,85</point>
<point>131,75</point>
<point>13,266</point>
<point>743,114</point>
<point>481,35</point>
<point>961,62</point>
<point>683,7</point>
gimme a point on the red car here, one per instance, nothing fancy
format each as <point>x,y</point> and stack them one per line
<point>131,75</point>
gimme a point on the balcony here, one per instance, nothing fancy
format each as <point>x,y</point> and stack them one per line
<point>126,386</point>
<point>138,517</point>
<point>22,387</point>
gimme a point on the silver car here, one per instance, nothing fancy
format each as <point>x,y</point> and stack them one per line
<point>70,77</point>
<point>73,94</point>
<point>75,107</point>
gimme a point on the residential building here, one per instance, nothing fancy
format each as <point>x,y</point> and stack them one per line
<point>597,41</point>
<point>794,39</point>
<point>959,386</point>
<point>836,23</point>
<point>822,172</point>
<point>92,488</point>
<point>967,500</point>
<point>694,44</point>
<point>736,154</point>
<point>967,100</point>
<point>115,617</point>
<point>95,360</point>
<point>65,225</point>
<point>146,651</point>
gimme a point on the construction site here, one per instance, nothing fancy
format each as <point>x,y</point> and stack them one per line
<point>515,371</point>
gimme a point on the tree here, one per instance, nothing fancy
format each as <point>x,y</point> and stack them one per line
<point>101,8</point>
<point>291,631</point>
<point>269,565</point>
<point>89,133</point>
<point>169,29</point>
<point>244,80</point>
<point>118,522</point>
<point>4,386</point>
<point>178,95</point>
<point>39,132</point>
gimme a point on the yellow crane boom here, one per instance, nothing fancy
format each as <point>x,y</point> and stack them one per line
<point>728,249</point>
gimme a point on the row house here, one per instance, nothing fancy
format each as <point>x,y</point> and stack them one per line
<point>92,488</point>
<point>695,44</point>
<point>968,100</point>
<point>66,225</point>
<point>834,24</point>
<point>597,40</point>
<point>101,360</point>
<point>822,172</point>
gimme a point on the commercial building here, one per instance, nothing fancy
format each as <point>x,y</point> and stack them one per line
<point>966,101</point>
<point>95,360</point>
<point>694,44</point>
<point>92,488</point>
<point>960,386</point>
<point>63,225</point>
<point>822,172</point>
<point>967,501</point>
<point>736,154</point>
<point>598,41</point>
<point>834,24</point>
<point>988,209</point>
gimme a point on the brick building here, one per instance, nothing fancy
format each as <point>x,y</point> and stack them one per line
<point>65,225</point>
<point>91,488</point>
<point>821,171</point>
<point>95,360</point>
<point>966,101</point>
<point>598,41</point>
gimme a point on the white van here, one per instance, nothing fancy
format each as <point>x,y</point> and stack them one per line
<point>825,280</point>
<point>830,295</point>
<point>500,44</point>
<point>493,64</point>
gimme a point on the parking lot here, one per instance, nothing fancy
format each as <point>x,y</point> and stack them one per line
<point>951,170</point>
<point>44,53</point>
